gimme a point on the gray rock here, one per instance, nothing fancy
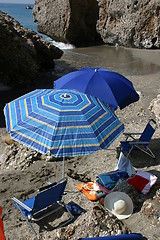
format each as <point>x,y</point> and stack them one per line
<point>126,23</point>
<point>155,108</point>
<point>68,21</point>
<point>130,23</point>
<point>23,52</point>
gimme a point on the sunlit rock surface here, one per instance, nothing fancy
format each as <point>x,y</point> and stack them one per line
<point>68,21</point>
<point>126,23</point>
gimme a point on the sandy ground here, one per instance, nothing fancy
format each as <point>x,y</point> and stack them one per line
<point>21,183</point>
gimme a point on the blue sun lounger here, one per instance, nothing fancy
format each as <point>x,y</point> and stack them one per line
<point>45,202</point>
<point>142,142</point>
<point>131,236</point>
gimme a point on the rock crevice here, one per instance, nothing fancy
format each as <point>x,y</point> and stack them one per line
<point>126,23</point>
<point>68,21</point>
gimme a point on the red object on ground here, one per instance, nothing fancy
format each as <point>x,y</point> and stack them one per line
<point>2,237</point>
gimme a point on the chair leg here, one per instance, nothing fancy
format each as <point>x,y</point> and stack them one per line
<point>30,225</point>
<point>130,151</point>
<point>147,151</point>
<point>150,153</point>
<point>71,216</point>
<point>62,203</point>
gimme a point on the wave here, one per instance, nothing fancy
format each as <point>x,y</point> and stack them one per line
<point>61,45</point>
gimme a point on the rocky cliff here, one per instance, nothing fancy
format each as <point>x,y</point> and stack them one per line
<point>68,21</point>
<point>130,23</point>
<point>23,52</point>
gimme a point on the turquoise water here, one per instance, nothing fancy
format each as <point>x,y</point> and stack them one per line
<point>20,13</point>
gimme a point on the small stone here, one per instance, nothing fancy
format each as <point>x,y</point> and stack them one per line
<point>119,232</point>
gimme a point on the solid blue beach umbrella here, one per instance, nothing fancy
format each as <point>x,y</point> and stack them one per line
<point>62,122</point>
<point>110,87</point>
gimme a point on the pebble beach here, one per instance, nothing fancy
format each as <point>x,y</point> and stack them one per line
<point>23,171</point>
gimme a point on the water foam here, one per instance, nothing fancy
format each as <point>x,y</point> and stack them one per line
<point>60,45</point>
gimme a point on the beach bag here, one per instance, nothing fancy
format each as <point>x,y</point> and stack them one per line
<point>92,190</point>
<point>109,180</point>
<point>124,164</point>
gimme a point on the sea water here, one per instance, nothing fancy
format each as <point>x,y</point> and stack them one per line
<point>25,18</point>
<point>123,60</point>
<point>20,13</point>
<point>127,61</point>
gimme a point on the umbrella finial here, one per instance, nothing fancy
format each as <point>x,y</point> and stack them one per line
<point>66,96</point>
<point>96,70</point>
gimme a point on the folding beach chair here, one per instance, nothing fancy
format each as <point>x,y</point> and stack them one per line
<point>47,201</point>
<point>131,236</point>
<point>142,142</point>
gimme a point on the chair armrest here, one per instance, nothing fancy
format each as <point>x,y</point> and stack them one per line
<point>137,143</point>
<point>132,133</point>
<point>22,204</point>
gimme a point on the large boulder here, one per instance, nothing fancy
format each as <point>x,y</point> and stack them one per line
<point>130,23</point>
<point>23,52</point>
<point>68,21</point>
<point>155,108</point>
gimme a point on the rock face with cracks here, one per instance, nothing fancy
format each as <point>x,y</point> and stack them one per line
<point>68,21</point>
<point>126,23</point>
<point>130,23</point>
<point>23,52</point>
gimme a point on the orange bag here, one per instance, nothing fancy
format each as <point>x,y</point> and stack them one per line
<point>90,190</point>
<point>2,237</point>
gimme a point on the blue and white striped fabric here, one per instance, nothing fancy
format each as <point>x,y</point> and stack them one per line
<point>62,122</point>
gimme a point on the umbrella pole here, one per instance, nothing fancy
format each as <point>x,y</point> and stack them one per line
<point>63,167</point>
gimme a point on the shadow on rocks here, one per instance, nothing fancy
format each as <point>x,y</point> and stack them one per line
<point>44,79</point>
<point>77,176</point>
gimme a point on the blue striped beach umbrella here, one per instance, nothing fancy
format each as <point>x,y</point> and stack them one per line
<point>62,122</point>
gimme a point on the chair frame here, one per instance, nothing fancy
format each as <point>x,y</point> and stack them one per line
<point>31,213</point>
<point>137,143</point>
